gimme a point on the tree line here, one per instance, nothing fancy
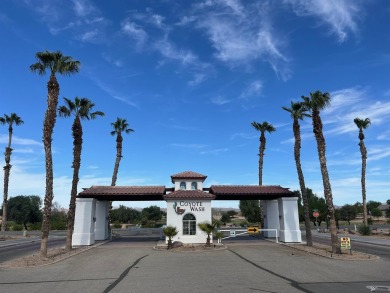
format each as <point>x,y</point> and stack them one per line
<point>25,212</point>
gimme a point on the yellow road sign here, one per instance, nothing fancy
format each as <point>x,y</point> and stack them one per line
<point>345,243</point>
<point>252,230</point>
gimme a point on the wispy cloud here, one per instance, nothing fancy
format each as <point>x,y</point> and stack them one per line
<point>19,141</point>
<point>188,145</point>
<point>214,151</point>
<point>107,89</point>
<point>253,89</point>
<point>82,18</point>
<point>135,31</point>
<point>243,135</point>
<point>220,100</point>
<point>347,104</point>
<point>241,34</point>
<point>341,16</point>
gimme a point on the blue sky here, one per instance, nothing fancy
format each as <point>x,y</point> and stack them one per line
<point>190,77</point>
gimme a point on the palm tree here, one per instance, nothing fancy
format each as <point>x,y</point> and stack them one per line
<point>319,101</point>
<point>263,128</point>
<point>120,125</point>
<point>298,111</point>
<point>170,231</point>
<point>56,63</point>
<point>10,120</point>
<point>363,124</point>
<point>208,229</point>
<point>80,108</point>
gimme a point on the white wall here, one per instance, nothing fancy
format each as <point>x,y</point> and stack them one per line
<point>201,209</point>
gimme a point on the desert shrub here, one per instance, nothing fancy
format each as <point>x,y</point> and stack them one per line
<point>117,225</point>
<point>244,223</point>
<point>35,226</point>
<point>15,227</point>
<point>370,221</point>
<point>364,230</point>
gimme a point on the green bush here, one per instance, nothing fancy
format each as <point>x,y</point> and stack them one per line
<point>117,225</point>
<point>244,223</point>
<point>364,230</point>
<point>58,225</point>
<point>35,226</point>
<point>370,221</point>
<point>15,227</point>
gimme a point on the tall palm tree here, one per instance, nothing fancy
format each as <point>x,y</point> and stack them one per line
<point>263,128</point>
<point>363,124</point>
<point>298,111</point>
<point>54,62</point>
<point>319,101</point>
<point>119,126</point>
<point>11,120</point>
<point>80,108</point>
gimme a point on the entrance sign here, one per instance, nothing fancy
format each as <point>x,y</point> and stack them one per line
<point>252,230</point>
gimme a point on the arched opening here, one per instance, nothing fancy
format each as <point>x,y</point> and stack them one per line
<point>182,185</point>
<point>189,224</point>
<point>194,186</point>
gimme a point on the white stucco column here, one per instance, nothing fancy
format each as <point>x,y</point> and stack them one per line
<point>101,224</point>
<point>84,225</point>
<point>271,217</point>
<point>289,220</point>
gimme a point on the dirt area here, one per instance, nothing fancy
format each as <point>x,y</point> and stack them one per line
<point>326,251</point>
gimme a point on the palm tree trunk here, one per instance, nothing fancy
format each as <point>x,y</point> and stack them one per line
<point>363,151</point>
<point>48,126</point>
<point>7,169</point>
<point>77,132</point>
<point>261,157</point>
<point>119,140</point>
<point>297,155</point>
<point>317,129</point>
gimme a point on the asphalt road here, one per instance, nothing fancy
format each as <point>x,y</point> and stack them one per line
<point>135,266</point>
<point>28,248</point>
<point>380,250</point>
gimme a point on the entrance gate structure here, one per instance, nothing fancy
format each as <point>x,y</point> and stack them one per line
<point>188,203</point>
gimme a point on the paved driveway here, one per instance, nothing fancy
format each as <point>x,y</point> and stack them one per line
<point>137,267</point>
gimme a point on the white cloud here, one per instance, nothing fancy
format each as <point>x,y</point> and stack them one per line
<point>19,141</point>
<point>220,100</point>
<point>135,31</point>
<point>341,16</point>
<point>347,104</point>
<point>214,151</point>
<point>188,145</point>
<point>198,78</point>
<point>169,51</point>
<point>253,89</point>
<point>82,7</point>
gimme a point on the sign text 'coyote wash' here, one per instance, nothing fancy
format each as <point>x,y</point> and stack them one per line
<point>194,206</point>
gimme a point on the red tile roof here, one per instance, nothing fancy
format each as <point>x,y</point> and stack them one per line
<point>189,194</point>
<point>131,193</point>
<point>248,192</point>
<point>188,175</point>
